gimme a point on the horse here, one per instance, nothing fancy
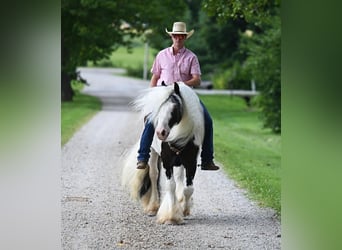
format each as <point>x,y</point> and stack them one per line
<point>177,115</point>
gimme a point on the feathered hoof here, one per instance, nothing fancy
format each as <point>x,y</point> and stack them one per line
<point>152,209</point>
<point>178,221</point>
<point>152,213</point>
<point>186,212</point>
<point>172,222</point>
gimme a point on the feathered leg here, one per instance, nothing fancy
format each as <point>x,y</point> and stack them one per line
<point>153,204</point>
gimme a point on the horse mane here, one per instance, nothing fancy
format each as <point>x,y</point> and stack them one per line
<point>149,100</point>
<point>192,122</point>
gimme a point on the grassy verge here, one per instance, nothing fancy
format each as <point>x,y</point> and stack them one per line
<point>123,59</point>
<point>132,61</point>
<point>250,155</point>
<point>75,114</point>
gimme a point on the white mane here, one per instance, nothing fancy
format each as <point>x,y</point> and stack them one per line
<point>192,123</point>
<point>151,99</point>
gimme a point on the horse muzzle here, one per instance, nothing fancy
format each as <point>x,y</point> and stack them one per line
<point>162,134</point>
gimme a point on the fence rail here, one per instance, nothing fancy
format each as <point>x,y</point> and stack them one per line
<point>233,92</point>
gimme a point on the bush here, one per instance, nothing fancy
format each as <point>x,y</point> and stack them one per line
<point>220,79</point>
<point>233,78</point>
<point>263,65</point>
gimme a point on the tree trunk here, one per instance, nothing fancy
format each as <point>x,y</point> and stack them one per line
<point>67,92</point>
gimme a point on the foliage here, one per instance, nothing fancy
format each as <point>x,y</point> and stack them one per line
<point>255,12</point>
<point>264,66</point>
<point>215,44</point>
<point>235,77</point>
<point>91,29</point>
<point>259,51</point>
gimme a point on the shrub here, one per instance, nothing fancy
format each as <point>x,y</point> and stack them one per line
<point>263,65</point>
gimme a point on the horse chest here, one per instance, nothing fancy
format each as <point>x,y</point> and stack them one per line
<point>174,156</point>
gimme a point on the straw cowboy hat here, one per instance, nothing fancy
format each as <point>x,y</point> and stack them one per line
<point>180,28</point>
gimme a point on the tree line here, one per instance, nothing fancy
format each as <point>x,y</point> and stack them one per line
<point>236,42</point>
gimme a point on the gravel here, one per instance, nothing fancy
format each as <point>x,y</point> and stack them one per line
<point>97,212</point>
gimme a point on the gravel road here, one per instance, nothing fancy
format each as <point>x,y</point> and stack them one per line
<point>97,213</point>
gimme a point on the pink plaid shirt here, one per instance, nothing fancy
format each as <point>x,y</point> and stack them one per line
<point>172,68</point>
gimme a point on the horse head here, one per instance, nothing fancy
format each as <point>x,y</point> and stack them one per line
<point>170,114</point>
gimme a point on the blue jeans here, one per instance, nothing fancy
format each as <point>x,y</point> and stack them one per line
<point>207,153</point>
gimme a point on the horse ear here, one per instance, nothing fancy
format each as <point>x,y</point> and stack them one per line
<point>176,87</point>
<point>163,83</point>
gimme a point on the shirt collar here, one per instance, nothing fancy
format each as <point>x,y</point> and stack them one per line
<point>181,51</point>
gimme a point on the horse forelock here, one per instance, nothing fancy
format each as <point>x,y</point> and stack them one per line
<point>150,100</point>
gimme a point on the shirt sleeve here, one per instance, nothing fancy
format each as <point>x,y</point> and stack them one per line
<point>156,69</point>
<point>195,66</point>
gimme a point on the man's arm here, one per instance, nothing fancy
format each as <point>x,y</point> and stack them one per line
<point>194,81</point>
<point>154,80</point>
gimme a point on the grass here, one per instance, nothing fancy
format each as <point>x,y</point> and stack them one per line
<point>132,61</point>
<point>75,114</point>
<point>122,58</point>
<point>250,154</point>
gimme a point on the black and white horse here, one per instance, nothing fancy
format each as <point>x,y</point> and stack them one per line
<point>177,115</point>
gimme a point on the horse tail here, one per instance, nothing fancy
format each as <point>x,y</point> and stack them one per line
<point>145,184</point>
<point>137,181</point>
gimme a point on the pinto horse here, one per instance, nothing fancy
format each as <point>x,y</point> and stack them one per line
<point>177,115</point>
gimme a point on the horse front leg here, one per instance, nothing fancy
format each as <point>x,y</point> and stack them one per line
<point>170,211</point>
<point>178,173</point>
<point>189,189</point>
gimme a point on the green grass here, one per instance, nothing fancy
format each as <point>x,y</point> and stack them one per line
<point>132,61</point>
<point>122,58</point>
<point>76,113</point>
<point>250,154</point>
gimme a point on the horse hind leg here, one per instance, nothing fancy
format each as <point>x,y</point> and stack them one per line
<point>152,204</point>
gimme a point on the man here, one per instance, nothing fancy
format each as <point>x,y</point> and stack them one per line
<point>174,64</point>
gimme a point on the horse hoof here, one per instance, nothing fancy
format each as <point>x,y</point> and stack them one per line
<point>152,213</point>
<point>172,222</point>
<point>186,212</point>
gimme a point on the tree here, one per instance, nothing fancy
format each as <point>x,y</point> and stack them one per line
<point>254,12</point>
<point>92,29</point>
<point>214,43</point>
<point>262,49</point>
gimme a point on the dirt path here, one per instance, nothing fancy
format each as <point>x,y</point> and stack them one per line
<point>98,214</point>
